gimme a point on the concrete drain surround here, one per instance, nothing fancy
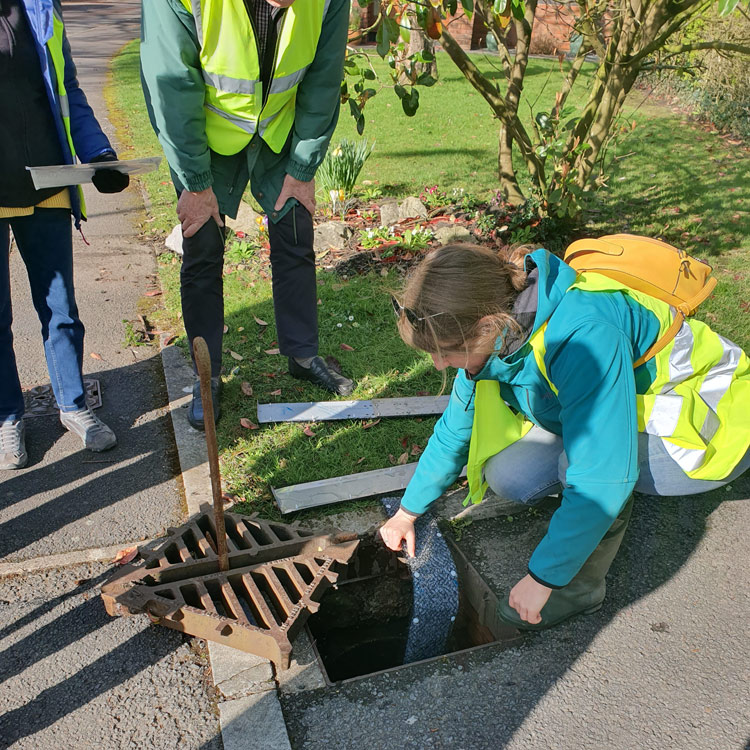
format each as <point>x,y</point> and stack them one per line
<point>364,624</point>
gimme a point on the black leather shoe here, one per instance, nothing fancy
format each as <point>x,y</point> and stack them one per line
<point>321,374</point>
<point>195,412</point>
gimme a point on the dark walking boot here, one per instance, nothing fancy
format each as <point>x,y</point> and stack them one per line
<point>585,593</point>
<point>195,412</point>
<point>321,374</point>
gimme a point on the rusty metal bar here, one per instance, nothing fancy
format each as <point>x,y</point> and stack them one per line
<point>203,364</point>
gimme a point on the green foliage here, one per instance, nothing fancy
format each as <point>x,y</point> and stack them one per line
<point>375,237</point>
<point>240,251</point>
<point>339,171</point>
<point>416,239</point>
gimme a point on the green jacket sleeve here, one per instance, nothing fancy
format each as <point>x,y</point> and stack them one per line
<point>318,96</point>
<point>174,89</point>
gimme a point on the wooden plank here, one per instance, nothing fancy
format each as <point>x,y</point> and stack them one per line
<point>320,411</point>
<point>340,489</point>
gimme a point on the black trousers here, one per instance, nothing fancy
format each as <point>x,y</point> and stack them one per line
<point>293,283</point>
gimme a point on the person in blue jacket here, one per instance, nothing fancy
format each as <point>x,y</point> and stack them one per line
<point>571,413</point>
<point>44,120</point>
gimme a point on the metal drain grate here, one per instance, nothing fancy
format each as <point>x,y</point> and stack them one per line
<point>277,575</point>
<point>39,401</point>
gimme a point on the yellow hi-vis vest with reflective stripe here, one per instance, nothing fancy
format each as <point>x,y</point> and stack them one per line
<point>236,106</point>
<point>698,402</point>
<point>55,49</point>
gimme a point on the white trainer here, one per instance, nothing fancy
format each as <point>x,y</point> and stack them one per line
<point>13,445</point>
<point>95,434</point>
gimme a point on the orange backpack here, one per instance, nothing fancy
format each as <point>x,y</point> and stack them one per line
<point>649,266</point>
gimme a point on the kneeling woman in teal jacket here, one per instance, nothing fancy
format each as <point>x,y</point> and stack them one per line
<point>547,399</point>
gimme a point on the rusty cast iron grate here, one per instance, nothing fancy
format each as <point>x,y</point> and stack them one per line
<point>277,575</point>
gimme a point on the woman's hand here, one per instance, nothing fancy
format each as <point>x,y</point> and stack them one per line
<point>528,597</point>
<point>399,528</point>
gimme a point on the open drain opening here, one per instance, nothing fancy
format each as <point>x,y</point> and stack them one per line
<point>363,624</point>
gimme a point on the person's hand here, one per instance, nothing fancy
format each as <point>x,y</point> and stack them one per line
<point>108,180</point>
<point>399,528</point>
<point>304,192</point>
<point>195,209</point>
<point>528,597</point>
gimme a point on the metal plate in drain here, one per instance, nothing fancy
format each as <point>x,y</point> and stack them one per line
<point>277,575</point>
<point>39,401</point>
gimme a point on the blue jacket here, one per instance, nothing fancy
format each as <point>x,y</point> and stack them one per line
<point>592,340</point>
<point>88,138</point>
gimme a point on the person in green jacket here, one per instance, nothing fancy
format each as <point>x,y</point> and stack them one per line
<point>551,398</point>
<point>238,91</point>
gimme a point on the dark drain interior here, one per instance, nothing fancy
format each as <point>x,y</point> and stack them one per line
<point>363,623</point>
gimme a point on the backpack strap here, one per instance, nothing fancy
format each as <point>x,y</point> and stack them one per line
<point>662,341</point>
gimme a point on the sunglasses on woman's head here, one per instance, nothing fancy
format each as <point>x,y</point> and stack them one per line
<point>410,315</point>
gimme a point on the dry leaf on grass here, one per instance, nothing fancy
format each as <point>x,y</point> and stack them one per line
<point>308,431</point>
<point>247,389</point>
<point>259,321</point>
<point>124,556</point>
<point>347,348</point>
<point>271,351</point>
<point>236,356</point>
<point>277,392</point>
<point>247,424</point>
<point>153,293</point>
<point>226,328</point>
<point>367,425</point>
<point>403,458</point>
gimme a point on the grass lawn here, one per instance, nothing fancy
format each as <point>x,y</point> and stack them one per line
<point>671,178</point>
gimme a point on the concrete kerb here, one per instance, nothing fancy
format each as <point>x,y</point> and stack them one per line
<point>249,706</point>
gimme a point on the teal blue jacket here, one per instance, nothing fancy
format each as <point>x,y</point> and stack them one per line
<point>592,340</point>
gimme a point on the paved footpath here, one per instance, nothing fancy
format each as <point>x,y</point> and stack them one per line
<point>70,676</point>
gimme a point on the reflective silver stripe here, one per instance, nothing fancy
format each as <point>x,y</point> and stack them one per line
<point>680,368</point>
<point>284,83</point>
<point>325,9</point>
<point>719,377</point>
<point>710,424</point>
<point>249,126</point>
<point>56,14</point>
<point>197,15</point>
<point>688,459</point>
<point>664,415</point>
<point>64,105</point>
<point>262,127</point>
<point>228,84</point>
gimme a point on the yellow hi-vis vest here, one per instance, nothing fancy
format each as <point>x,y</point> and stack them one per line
<point>236,107</point>
<point>55,49</point>
<point>698,403</point>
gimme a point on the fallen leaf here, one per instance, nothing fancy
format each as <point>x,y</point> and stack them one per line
<point>236,356</point>
<point>240,328</point>
<point>404,442</point>
<point>247,424</point>
<point>259,321</point>
<point>277,392</point>
<point>271,351</point>
<point>167,339</point>
<point>392,458</point>
<point>94,355</point>
<point>347,348</point>
<point>124,556</point>
<point>247,389</point>
<point>153,293</point>
<point>415,450</point>
<point>359,461</point>
<point>423,393</point>
<point>226,328</point>
<point>403,458</point>
<point>367,425</point>
<point>308,431</point>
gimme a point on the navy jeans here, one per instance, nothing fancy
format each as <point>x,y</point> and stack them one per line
<point>45,243</point>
